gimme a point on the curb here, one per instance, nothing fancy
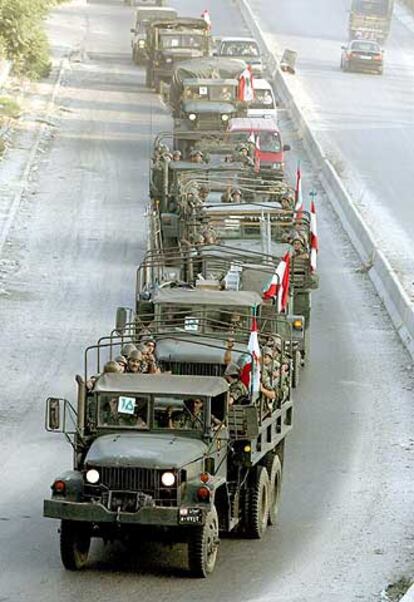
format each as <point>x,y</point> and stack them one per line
<point>382,275</point>
<point>29,165</point>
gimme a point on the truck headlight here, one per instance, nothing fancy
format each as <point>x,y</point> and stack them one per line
<point>192,117</point>
<point>224,118</point>
<point>92,476</point>
<point>277,165</point>
<point>141,43</point>
<point>168,479</point>
<point>168,59</point>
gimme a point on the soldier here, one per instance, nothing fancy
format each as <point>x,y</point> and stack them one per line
<point>196,156</point>
<point>190,418</point>
<point>266,384</point>
<point>233,196</point>
<point>127,349</point>
<point>299,250</point>
<point>238,390</point>
<point>177,155</point>
<point>122,362</point>
<point>244,156</point>
<point>150,357</point>
<point>135,363</point>
<point>285,381</point>
<point>203,192</point>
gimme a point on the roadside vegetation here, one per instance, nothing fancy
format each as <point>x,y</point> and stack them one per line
<point>22,37</point>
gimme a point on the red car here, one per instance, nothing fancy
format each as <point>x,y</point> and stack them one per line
<point>264,132</point>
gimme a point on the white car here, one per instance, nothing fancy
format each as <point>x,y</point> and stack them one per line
<point>264,104</point>
<point>246,49</point>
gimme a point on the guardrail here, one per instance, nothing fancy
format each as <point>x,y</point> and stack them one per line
<point>382,275</point>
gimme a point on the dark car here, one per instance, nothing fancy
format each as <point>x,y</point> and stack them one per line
<point>362,55</point>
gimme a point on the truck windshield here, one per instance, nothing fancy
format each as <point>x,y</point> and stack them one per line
<point>213,93</point>
<point>263,100</point>
<point>123,411</point>
<point>179,413</point>
<point>269,142</point>
<point>170,41</point>
<point>239,49</point>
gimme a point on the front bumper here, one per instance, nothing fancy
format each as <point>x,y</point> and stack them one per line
<point>95,512</point>
<point>363,65</point>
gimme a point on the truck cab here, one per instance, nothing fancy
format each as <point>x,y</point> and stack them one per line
<point>172,42</point>
<point>143,17</point>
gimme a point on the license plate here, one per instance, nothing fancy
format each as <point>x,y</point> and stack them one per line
<point>190,516</point>
<point>366,58</point>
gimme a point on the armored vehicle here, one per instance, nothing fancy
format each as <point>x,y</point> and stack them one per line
<point>143,17</point>
<point>170,42</point>
<point>168,456</point>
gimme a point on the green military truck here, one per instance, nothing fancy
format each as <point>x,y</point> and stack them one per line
<point>165,455</point>
<point>204,96</point>
<point>170,42</point>
<point>144,15</point>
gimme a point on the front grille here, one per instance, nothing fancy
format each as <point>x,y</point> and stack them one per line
<point>193,368</point>
<point>141,480</point>
<point>211,122</point>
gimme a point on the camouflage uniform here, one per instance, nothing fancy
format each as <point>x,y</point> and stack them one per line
<point>238,390</point>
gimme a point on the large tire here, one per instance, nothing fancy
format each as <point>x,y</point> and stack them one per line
<point>296,369</point>
<point>258,504</point>
<point>274,469</point>
<point>203,546</point>
<point>75,541</point>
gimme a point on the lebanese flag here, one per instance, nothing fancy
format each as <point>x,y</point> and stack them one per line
<point>250,374</point>
<point>246,85</point>
<point>283,293</point>
<point>257,155</point>
<point>314,240</point>
<point>298,194</point>
<point>206,16</point>
<point>278,287</point>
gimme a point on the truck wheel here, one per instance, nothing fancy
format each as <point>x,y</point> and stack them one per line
<point>274,468</point>
<point>258,504</point>
<point>75,540</point>
<point>157,84</point>
<point>203,546</point>
<point>296,369</point>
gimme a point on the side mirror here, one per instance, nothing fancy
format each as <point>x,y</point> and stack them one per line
<point>343,47</point>
<point>123,317</point>
<point>53,414</point>
<point>60,417</point>
<point>286,147</point>
<point>132,30</point>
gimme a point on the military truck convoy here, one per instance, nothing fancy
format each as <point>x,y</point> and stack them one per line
<point>183,409</point>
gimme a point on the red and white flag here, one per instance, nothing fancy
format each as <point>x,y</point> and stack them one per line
<point>278,287</point>
<point>314,240</point>
<point>298,194</point>
<point>246,85</point>
<point>206,16</point>
<point>250,373</point>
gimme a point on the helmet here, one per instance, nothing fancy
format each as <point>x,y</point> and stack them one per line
<point>120,359</point>
<point>135,355</point>
<point>232,370</point>
<point>126,349</point>
<point>267,351</point>
<point>177,153</point>
<point>196,152</point>
<point>236,191</point>
<point>111,366</point>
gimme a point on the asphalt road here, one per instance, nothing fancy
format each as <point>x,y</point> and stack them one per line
<point>365,122</point>
<point>346,518</point>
